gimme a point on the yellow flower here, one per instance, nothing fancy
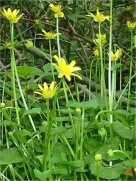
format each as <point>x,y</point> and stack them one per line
<point>96,53</point>
<point>47,92</point>
<point>57,10</point>
<point>65,69</point>
<point>115,56</point>
<point>100,39</point>
<point>99,17</point>
<point>11,16</point>
<point>49,35</point>
<point>131,25</point>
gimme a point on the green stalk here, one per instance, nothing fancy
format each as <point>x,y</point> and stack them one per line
<point>113,94</point>
<point>103,87</point>
<point>58,41</point>
<point>23,99</point>
<point>4,177</point>
<point>97,171</point>
<point>101,61</point>
<point>90,77</point>
<point>13,71</point>
<point>47,138</point>
<point>68,145</point>
<point>52,69</point>
<point>82,134</point>
<point>65,90</point>
<point>110,66</point>
<point>131,66</point>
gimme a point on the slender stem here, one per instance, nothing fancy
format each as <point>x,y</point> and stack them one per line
<point>101,59</point>
<point>65,90</point>
<point>82,134</point>
<point>52,69</point>
<point>124,91</point>
<point>58,41</point>
<point>110,66</point>
<point>13,71</point>
<point>22,95</point>
<point>97,171</point>
<point>47,138</point>
<point>131,66</point>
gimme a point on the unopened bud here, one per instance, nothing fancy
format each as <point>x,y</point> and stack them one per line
<point>98,157</point>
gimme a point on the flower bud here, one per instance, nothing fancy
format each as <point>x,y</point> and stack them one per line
<point>110,153</point>
<point>98,157</point>
<point>2,105</point>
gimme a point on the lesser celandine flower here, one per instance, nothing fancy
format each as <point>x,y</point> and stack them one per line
<point>115,56</point>
<point>131,25</point>
<point>101,38</point>
<point>11,16</point>
<point>49,35</point>
<point>47,92</point>
<point>65,69</point>
<point>99,17</point>
<point>57,9</point>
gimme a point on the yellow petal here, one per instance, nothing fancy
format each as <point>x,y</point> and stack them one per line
<point>52,86</point>
<point>40,87</point>
<point>72,63</point>
<point>68,77</point>
<point>45,86</point>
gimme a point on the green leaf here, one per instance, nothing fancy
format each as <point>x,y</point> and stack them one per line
<point>73,16</point>
<point>116,66</point>
<point>76,163</point>
<point>59,157</point>
<point>9,156</point>
<point>85,104</point>
<point>106,172</point>
<point>122,130</point>
<point>62,170</point>
<point>32,111</point>
<point>92,145</point>
<point>42,175</point>
<point>58,130</point>
<point>111,144</point>
<point>27,72</point>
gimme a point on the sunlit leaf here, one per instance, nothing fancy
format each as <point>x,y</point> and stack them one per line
<point>27,72</point>
<point>42,175</point>
<point>9,156</point>
<point>122,130</point>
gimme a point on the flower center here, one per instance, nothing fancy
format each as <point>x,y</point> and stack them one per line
<point>65,70</point>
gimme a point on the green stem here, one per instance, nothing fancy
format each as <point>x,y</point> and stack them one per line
<point>82,134</point>
<point>65,90</point>
<point>47,139</point>
<point>58,41</point>
<point>102,69</point>
<point>124,91</point>
<point>13,71</point>
<point>52,69</point>
<point>101,60</point>
<point>22,95</point>
<point>97,171</point>
<point>110,66</point>
<point>131,66</point>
